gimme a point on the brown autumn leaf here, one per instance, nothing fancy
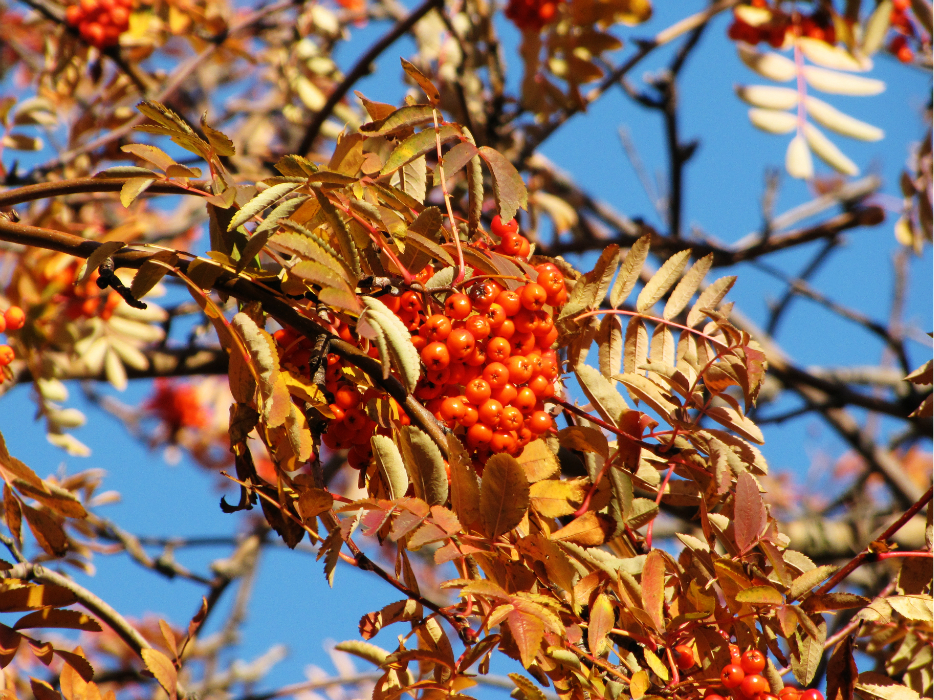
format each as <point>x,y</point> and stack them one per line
<point>77,663</point>
<point>842,673</point>
<point>9,645</point>
<point>589,530</point>
<point>46,530</point>
<point>749,515</point>
<point>43,691</point>
<point>585,439</point>
<point>504,495</point>
<point>465,488</point>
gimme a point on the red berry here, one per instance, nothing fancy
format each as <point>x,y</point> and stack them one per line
<point>732,675</point>
<point>503,228</point>
<point>811,694</point>
<point>752,685</point>
<point>436,356</point>
<point>453,408</point>
<point>458,306</point>
<point>683,657</point>
<point>752,661</point>
<point>436,327</point>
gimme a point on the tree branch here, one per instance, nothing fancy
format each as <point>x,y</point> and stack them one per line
<point>361,69</point>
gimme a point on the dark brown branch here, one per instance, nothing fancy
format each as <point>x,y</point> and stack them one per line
<point>361,69</point>
<point>886,534</point>
<point>245,290</point>
<point>83,185</point>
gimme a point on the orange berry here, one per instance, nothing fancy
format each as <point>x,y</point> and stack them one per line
<point>732,675</point>
<point>479,327</point>
<point>752,661</point>
<point>460,343</point>
<point>540,422</point>
<point>458,306</point>
<point>512,418</point>
<point>453,408</point>
<point>436,327</point>
<point>525,248</point>
<point>752,685</point>
<point>483,294</point>
<point>497,349</point>
<point>479,434</point>
<point>525,399</point>
<point>520,369</point>
<point>533,296</point>
<point>436,356</point>
<point>477,391</point>
<point>683,657</point>
<point>735,654</point>
<point>74,14</point>
<point>490,412</point>
<point>502,441</point>
<point>6,355</point>
<point>496,374</point>
<point>505,394</point>
<point>510,301</point>
<point>506,329</point>
<point>470,417</point>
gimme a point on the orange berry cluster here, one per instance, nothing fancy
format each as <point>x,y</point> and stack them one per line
<point>904,30</point>
<point>177,405</point>
<point>532,14</point>
<point>743,678</point>
<point>100,22</point>
<point>12,320</point>
<point>818,25</point>
<point>487,356</point>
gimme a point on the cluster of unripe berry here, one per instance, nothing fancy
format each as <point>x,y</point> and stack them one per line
<point>487,356</point>
<point>100,22</point>
<point>818,25</point>
<point>904,30</point>
<point>12,320</point>
<point>742,678</point>
<point>532,14</point>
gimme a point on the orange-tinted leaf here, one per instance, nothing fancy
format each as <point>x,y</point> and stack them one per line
<point>422,81</point>
<point>77,663</point>
<point>589,530</point>
<point>585,439</point>
<point>13,514</point>
<point>43,691</point>
<point>465,489</point>
<point>602,620</point>
<point>527,631</point>
<point>162,668</point>
<point>169,636</point>
<point>53,617</point>
<point>504,495</point>
<point>538,461</point>
<point>9,645</point>
<point>47,531</point>
<point>653,588</point>
<point>554,498</point>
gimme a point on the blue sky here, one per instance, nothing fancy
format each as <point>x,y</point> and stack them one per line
<point>724,182</point>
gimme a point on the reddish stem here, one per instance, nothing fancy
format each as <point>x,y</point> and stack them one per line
<point>892,555</point>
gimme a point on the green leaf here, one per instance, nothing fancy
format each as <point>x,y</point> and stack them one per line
<point>760,595</point>
<point>418,144</point>
<point>425,466</point>
<point>809,579</point>
<point>508,187</point>
<point>404,118</point>
<point>260,202</point>
<point>601,393</point>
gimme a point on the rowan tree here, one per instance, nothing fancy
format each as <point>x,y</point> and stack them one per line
<point>413,345</point>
